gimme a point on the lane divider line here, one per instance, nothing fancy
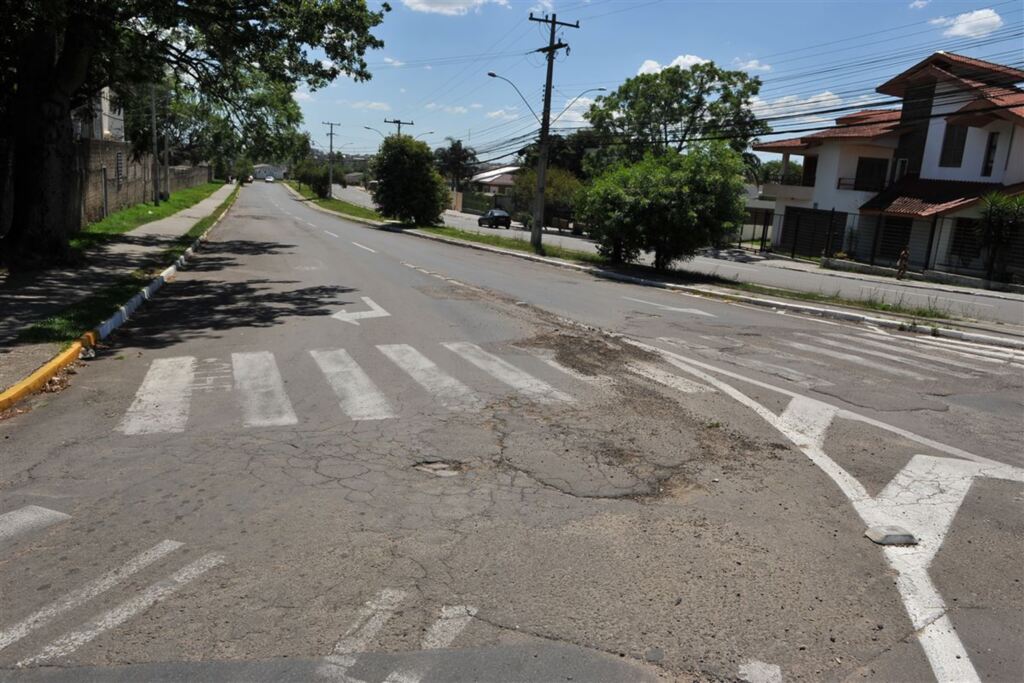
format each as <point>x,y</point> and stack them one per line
<point>28,518</point>
<point>372,251</point>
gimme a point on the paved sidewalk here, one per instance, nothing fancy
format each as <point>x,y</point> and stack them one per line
<point>28,298</point>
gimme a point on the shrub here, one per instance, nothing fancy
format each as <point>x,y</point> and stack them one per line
<point>408,188</point>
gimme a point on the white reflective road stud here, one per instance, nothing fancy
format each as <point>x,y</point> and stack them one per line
<point>505,372</point>
<point>70,642</point>
<point>360,398</point>
<point>79,597</point>
<point>260,390</point>
<point>161,404</point>
<point>440,635</point>
<point>856,360</point>
<point>371,619</point>
<point>28,518</point>
<point>656,374</point>
<point>449,391</point>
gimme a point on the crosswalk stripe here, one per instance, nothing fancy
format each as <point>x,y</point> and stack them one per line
<point>261,391</point>
<point>770,368</point>
<point>855,360</point>
<point>962,349</point>
<point>70,642</point>
<point>360,398</point>
<point>87,592</point>
<point>162,402</point>
<point>449,391</point>
<point>371,619</point>
<point>28,518</point>
<point>877,341</point>
<point>441,634</point>
<point>668,379</point>
<point>888,354</point>
<point>505,372</point>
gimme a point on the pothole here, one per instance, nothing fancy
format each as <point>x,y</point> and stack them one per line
<point>440,468</point>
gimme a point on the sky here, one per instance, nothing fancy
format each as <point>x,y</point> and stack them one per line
<point>810,55</point>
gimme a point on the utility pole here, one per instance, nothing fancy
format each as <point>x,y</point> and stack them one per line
<point>399,123</point>
<point>330,157</point>
<point>537,229</point>
<point>167,165</point>
<point>156,156</point>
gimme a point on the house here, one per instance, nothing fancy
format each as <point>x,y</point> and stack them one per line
<point>882,179</point>
<point>101,119</point>
<point>276,171</point>
<point>499,180</point>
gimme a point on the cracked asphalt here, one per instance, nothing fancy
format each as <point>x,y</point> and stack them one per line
<point>597,511</point>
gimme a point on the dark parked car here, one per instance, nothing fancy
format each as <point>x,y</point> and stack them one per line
<point>495,218</point>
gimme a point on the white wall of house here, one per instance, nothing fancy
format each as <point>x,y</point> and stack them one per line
<point>949,99</point>
<point>1014,164</point>
<point>837,159</point>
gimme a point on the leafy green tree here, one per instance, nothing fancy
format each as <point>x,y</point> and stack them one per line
<point>560,189</point>
<point>59,54</point>
<point>670,204</point>
<point>1002,221</point>
<point>570,152</point>
<point>409,188</point>
<point>771,172</point>
<point>675,107</point>
<point>456,162</point>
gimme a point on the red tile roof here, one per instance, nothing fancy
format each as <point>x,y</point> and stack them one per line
<point>865,124</point>
<point>923,198</point>
<point>959,65</point>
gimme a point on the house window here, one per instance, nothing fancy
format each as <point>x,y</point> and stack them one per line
<point>870,174</point>
<point>990,154</point>
<point>901,169</point>
<point>810,170</point>
<point>953,146</point>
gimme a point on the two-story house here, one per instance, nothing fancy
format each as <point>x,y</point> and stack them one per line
<point>913,177</point>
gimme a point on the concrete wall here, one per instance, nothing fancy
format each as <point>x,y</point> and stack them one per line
<point>839,160</point>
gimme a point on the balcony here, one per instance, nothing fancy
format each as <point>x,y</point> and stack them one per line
<point>861,184</point>
<point>792,193</point>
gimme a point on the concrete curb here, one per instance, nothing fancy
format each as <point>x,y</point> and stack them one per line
<point>775,304</point>
<point>383,225</point>
<point>35,381</point>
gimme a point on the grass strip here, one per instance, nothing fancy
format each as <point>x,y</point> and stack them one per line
<point>132,217</point>
<point>871,304</point>
<point>551,250</point>
<point>75,320</point>
<point>338,205</point>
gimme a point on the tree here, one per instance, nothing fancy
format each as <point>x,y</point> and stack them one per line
<point>456,162</point>
<point>560,189</point>
<point>1002,219</point>
<point>771,172</point>
<point>409,188</point>
<point>59,54</point>
<point>570,152</point>
<point>671,109</point>
<point>671,204</point>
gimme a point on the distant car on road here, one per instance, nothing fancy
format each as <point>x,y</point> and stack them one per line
<point>269,179</point>
<point>495,218</point>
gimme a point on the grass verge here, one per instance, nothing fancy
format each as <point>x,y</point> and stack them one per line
<point>80,317</point>
<point>551,250</point>
<point>872,304</point>
<point>338,205</point>
<point>128,219</point>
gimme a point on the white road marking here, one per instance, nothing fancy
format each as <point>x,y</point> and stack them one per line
<point>162,402</point>
<point>360,398</point>
<point>372,251</point>
<point>692,311</point>
<point>355,316</point>
<point>441,634</point>
<point>505,372</point>
<point>70,642</point>
<point>656,374</point>
<point>855,360</point>
<point>371,619</point>
<point>888,354</point>
<point>449,391</point>
<point>28,518</point>
<point>261,391</point>
<point>925,356</point>
<point>962,349</point>
<point>330,233</point>
<point>756,671</point>
<point>79,597</point>
<point>761,366</point>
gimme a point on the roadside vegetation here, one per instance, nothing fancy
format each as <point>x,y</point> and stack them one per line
<point>72,322</point>
<point>332,204</point>
<point>551,250</point>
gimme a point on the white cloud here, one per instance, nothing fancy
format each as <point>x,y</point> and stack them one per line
<point>326,63</point>
<point>434,106</point>
<point>475,105</point>
<point>302,95</point>
<point>683,61</point>
<point>794,106</point>
<point>393,62</point>
<point>503,114</point>
<point>919,4</point>
<point>752,65</point>
<point>449,7</point>
<point>575,112</point>
<point>970,24</point>
<point>401,90</point>
<point>376,106</point>
<point>428,67</point>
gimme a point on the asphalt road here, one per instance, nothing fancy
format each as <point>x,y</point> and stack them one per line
<point>331,452</point>
<point>997,307</point>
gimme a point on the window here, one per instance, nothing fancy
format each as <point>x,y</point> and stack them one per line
<point>953,146</point>
<point>810,170</point>
<point>901,169</point>
<point>990,154</point>
<point>870,174</point>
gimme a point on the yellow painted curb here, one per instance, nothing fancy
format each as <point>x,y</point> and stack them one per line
<point>40,377</point>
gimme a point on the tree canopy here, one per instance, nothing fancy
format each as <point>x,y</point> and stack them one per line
<point>408,188</point>
<point>456,162</point>
<point>675,107</point>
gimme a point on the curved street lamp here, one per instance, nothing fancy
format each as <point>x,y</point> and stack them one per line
<point>569,106</point>
<point>494,75</point>
<point>376,131</point>
<point>429,132</point>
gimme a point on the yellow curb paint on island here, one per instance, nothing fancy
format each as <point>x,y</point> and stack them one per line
<point>40,377</point>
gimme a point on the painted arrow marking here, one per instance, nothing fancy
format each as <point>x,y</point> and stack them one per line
<point>691,311</point>
<point>355,316</point>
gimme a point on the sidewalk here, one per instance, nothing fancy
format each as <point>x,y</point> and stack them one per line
<point>29,298</point>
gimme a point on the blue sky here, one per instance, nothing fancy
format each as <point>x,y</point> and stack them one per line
<point>811,55</point>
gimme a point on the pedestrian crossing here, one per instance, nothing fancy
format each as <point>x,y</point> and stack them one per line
<point>13,526</point>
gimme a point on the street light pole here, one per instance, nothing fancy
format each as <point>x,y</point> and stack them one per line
<point>330,158</point>
<point>376,131</point>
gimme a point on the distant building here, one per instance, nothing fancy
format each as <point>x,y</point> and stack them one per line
<point>497,180</point>
<point>101,119</point>
<point>261,171</point>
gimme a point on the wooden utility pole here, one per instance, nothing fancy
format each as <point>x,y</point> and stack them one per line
<point>537,229</point>
<point>399,123</point>
<point>330,158</point>
<point>156,155</point>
